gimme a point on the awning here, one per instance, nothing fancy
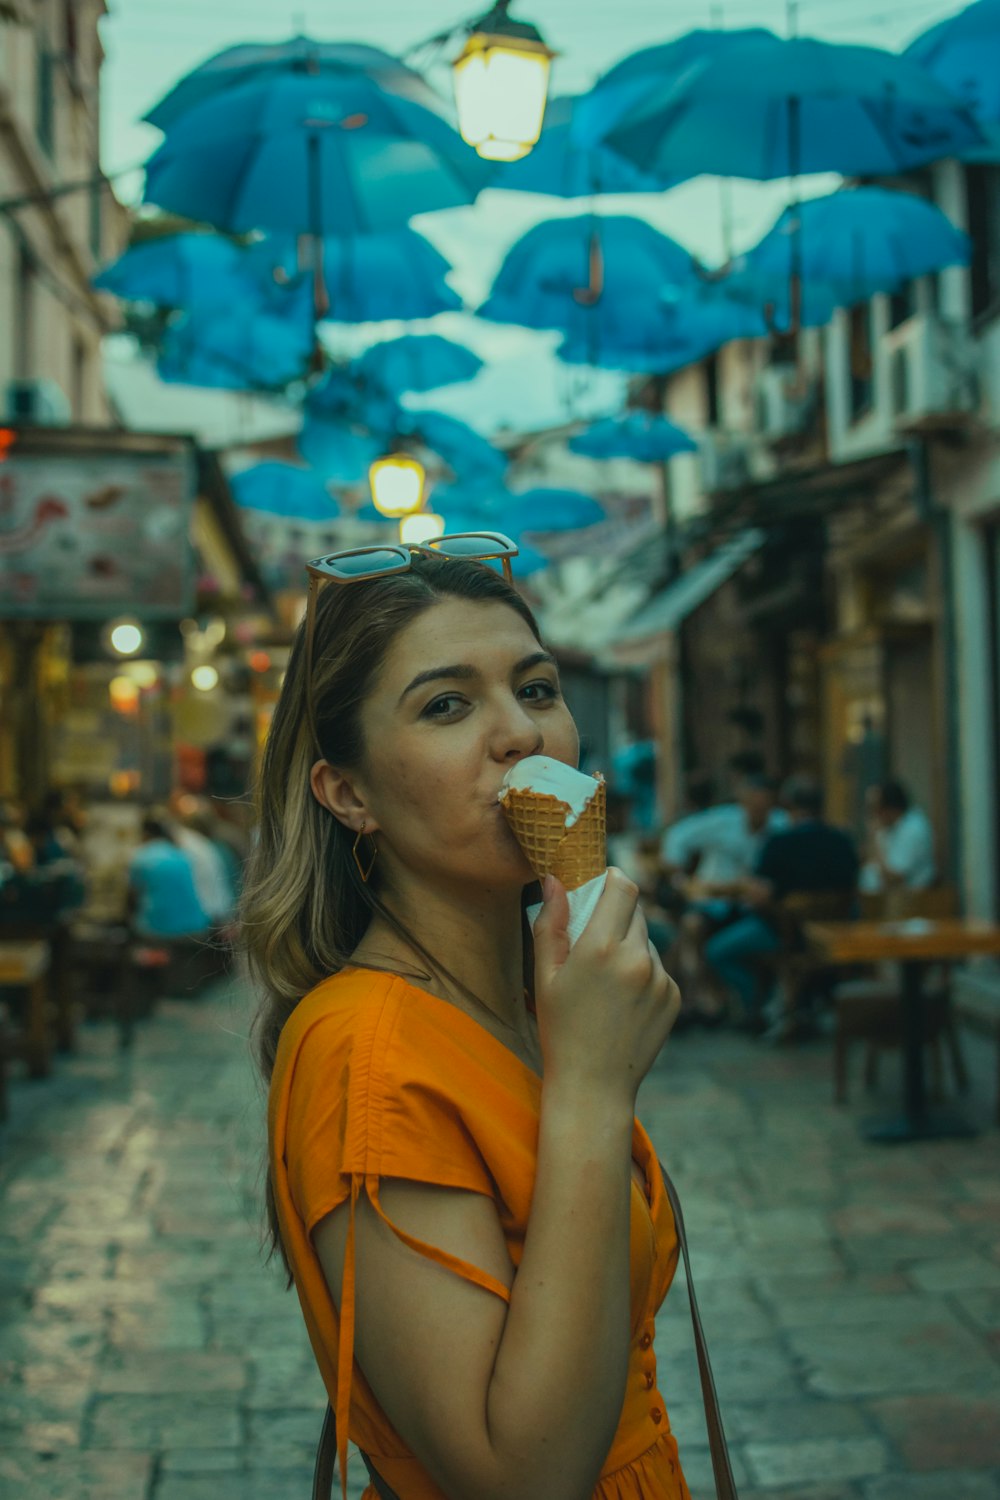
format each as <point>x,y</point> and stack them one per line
<point>799,493</point>
<point>672,606</point>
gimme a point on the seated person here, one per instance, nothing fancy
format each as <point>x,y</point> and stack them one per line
<point>901,844</point>
<point>163,897</point>
<point>810,856</point>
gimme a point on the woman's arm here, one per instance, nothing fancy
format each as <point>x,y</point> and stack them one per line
<point>499,1402</point>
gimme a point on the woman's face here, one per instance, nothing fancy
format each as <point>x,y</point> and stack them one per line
<point>464,693</point>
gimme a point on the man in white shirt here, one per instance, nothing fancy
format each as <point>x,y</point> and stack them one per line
<point>902,842</point>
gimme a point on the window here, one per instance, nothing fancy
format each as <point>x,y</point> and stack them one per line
<point>712,389</point>
<point>862,384</point>
<point>902,304</point>
<point>45,96</point>
<point>78,390</point>
<point>982,185</point>
<point>24,334</point>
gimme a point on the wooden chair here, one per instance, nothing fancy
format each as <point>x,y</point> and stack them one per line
<point>795,967</point>
<point>870,1009</point>
<point>24,966</point>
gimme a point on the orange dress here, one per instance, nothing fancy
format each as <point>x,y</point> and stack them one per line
<point>376,1078</point>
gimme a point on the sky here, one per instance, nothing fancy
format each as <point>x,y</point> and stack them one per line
<point>150,44</point>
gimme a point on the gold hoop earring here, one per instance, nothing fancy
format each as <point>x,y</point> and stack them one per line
<point>357,859</point>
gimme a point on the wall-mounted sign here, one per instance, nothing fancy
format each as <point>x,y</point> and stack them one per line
<point>96,524</point>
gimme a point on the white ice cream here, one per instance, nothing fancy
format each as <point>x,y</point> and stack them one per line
<point>537,773</point>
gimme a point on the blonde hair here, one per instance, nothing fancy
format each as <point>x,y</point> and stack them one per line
<point>304,907</point>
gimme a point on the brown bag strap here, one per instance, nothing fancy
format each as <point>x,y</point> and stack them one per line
<point>725,1484</point>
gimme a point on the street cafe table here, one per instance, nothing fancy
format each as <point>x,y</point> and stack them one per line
<point>914,944</point>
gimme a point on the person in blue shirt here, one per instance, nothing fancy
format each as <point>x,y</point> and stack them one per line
<point>810,856</point>
<point>162,895</point>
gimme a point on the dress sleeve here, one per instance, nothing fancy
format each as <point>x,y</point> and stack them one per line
<point>364,1105</point>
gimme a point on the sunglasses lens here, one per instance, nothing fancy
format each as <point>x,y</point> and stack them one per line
<point>352,565</point>
<point>469,546</point>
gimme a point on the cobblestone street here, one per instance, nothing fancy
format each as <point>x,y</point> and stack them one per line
<point>851,1293</point>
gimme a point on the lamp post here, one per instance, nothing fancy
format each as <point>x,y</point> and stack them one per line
<point>501,80</point>
<point>397,484</point>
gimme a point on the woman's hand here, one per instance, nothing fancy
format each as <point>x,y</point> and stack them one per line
<point>606,1006</point>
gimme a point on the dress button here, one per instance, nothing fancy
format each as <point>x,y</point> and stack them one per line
<point>648,1379</point>
<point>645,1341</point>
<point>656,1415</point>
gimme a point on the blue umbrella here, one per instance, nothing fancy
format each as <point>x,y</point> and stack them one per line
<point>230,350</point>
<point>250,60</point>
<point>464,450</point>
<point>576,273</point>
<point>178,270</point>
<point>670,337</point>
<point>282,490</point>
<point>310,153</point>
<point>344,398</point>
<point>338,452</point>
<point>369,277</point>
<point>856,243</point>
<point>528,561</point>
<point>774,107</point>
<point>369,513</point>
<point>564,168</point>
<point>962,53</point>
<point>544,509</point>
<point>777,303</point>
<point>638,434</point>
<point>630,82</point>
<point>483,501</point>
<point>416,362</point>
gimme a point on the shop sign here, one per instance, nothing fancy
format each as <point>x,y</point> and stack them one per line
<point>93,531</point>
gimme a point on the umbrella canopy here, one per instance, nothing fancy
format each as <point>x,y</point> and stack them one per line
<point>565,168</point>
<point>545,509</point>
<point>343,398</point>
<point>416,362</point>
<point>337,452</point>
<point>778,107</point>
<point>630,82</point>
<point>638,434</point>
<point>528,561</point>
<point>279,489</point>
<point>483,502</point>
<point>963,53</point>
<point>671,336</point>
<point>229,350</point>
<point>464,450</point>
<point>179,270</point>
<point>576,273</point>
<point>369,277</point>
<point>856,243</point>
<point>308,153</point>
<point>239,64</point>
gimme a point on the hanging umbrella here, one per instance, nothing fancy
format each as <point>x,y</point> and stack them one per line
<point>232,351</point>
<point>308,153</point>
<point>962,53</point>
<point>631,81</point>
<point>338,453</point>
<point>465,451</point>
<point>282,490</point>
<point>193,271</point>
<point>544,509</point>
<point>564,168</point>
<point>416,362</point>
<point>343,398</point>
<point>369,277</point>
<point>592,271</point>
<point>856,243</point>
<point>774,303</point>
<point>638,434</point>
<point>671,336</point>
<point>528,561</point>
<point>779,107</point>
<point>483,501</point>
<point>236,65</point>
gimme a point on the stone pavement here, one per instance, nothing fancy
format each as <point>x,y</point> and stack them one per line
<point>851,1293</point>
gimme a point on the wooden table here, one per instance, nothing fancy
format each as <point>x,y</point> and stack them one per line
<point>913,944</point>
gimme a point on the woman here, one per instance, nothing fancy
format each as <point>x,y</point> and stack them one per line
<point>453,1149</point>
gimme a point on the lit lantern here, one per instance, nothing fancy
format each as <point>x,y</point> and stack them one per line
<point>397,484</point>
<point>204,678</point>
<point>125,637</point>
<point>501,79</point>
<point>421,527</point>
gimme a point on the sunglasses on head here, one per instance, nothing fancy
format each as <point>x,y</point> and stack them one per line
<point>358,564</point>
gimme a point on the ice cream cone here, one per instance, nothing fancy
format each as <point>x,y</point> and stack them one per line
<point>573,855</point>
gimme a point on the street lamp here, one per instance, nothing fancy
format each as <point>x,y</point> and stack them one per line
<point>397,484</point>
<point>501,79</point>
<point>421,527</point>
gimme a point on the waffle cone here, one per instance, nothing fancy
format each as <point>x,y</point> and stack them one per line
<point>573,855</point>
